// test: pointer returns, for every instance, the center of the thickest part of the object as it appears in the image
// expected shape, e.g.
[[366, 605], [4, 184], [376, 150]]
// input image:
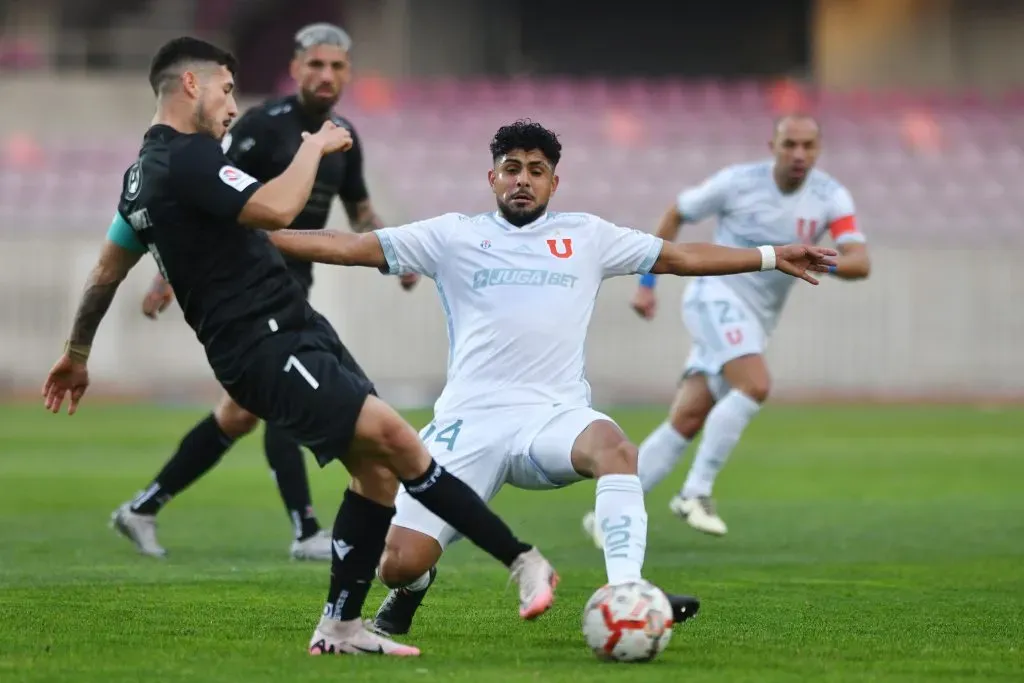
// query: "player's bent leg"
[[603, 452], [197, 453], [662, 449], [408, 567], [379, 429], [474, 448], [749, 383], [594, 446]]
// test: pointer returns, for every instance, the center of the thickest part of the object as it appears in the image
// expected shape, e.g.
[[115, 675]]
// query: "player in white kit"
[[518, 288], [731, 318]]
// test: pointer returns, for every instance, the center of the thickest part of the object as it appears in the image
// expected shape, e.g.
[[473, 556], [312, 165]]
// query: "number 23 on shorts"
[[447, 436]]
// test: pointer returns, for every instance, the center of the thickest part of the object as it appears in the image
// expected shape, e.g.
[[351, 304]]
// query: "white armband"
[[767, 257]]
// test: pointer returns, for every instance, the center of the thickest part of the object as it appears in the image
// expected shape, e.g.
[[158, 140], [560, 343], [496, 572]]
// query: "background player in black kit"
[[202, 219], [262, 143]]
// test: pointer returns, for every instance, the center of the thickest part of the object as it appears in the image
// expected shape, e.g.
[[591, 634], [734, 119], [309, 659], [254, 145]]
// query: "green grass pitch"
[[882, 544]]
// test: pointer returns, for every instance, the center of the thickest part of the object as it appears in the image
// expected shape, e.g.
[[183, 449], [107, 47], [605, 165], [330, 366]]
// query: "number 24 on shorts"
[[447, 436]]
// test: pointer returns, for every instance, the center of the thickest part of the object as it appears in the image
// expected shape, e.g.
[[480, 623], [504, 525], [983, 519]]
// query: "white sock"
[[623, 520], [722, 431], [416, 585], [659, 454], [420, 584]]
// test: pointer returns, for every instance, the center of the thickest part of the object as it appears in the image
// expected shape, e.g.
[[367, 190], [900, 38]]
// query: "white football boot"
[[316, 547], [139, 529], [699, 512], [591, 529], [537, 580], [333, 637]]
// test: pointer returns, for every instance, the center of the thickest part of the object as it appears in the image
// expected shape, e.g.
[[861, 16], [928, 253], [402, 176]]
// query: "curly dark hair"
[[526, 135]]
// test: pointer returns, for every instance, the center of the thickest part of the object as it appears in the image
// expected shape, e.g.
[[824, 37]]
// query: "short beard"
[[316, 106], [520, 218], [204, 124]]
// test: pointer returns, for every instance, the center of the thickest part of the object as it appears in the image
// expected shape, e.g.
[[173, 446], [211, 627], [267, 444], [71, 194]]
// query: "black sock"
[[289, 467], [359, 532], [453, 501], [198, 451]]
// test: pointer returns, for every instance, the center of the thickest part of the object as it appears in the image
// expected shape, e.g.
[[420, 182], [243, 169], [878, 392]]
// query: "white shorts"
[[722, 327], [529, 448]]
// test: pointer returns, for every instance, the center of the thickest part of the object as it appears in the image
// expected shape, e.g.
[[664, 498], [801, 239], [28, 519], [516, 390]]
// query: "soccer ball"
[[630, 622]]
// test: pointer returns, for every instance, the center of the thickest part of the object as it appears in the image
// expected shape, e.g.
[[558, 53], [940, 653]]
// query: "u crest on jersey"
[[806, 229], [563, 250]]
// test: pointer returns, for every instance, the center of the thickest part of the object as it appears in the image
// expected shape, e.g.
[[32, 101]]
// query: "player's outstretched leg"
[[382, 430], [604, 453], [749, 381], [288, 466], [197, 453], [409, 568], [663, 447]]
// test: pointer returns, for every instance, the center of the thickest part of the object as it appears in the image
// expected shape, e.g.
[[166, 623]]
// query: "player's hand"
[[331, 138], [66, 377], [409, 280], [800, 261], [645, 303], [157, 299]]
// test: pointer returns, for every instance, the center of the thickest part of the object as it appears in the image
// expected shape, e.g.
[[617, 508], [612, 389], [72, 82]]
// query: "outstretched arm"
[[331, 246], [697, 258], [414, 248]]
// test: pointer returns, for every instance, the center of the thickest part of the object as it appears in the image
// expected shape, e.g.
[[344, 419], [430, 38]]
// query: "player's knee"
[[396, 570], [234, 420], [689, 420], [619, 458], [402, 562], [756, 388]]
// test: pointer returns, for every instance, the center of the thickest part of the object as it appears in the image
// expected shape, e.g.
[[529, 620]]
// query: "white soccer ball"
[[630, 622]]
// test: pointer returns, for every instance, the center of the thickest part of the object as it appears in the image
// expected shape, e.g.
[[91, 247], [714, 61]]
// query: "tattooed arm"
[[69, 375], [106, 276]]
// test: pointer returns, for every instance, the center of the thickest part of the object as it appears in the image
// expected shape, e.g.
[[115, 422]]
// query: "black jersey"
[[266, 138], [182, 198]]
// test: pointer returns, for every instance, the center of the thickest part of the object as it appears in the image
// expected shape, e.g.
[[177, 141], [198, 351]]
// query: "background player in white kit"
[[518, 288], [730, 318]]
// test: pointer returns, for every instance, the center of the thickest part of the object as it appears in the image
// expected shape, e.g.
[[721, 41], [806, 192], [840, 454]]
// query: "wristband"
[[647, 280], [767, 257], [78, 353]]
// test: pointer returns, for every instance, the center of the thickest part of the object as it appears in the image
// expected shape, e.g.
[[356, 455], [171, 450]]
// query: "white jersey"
[[752, 211], [518, 301]]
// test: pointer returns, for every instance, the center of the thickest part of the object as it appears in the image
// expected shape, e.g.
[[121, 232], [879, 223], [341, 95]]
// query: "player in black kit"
[[262, 143], [203, 221]]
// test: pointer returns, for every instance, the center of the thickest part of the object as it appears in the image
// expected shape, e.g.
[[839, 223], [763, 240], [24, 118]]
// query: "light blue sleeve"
[[418, 247], [121, 234]]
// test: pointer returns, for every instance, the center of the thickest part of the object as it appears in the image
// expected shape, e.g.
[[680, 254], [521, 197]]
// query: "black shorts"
[[308, 385]]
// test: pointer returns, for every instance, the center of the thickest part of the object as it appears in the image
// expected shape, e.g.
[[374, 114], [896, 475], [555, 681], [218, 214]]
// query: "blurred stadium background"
[[922, 103]]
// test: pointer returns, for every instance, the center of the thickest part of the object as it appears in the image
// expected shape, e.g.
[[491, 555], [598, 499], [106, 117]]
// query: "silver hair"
[[322, 34]]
